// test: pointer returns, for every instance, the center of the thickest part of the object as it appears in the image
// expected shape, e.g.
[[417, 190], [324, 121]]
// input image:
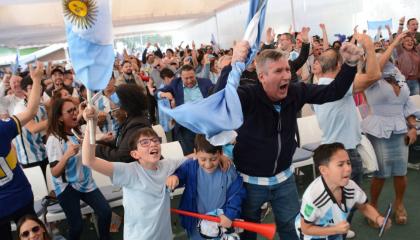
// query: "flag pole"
[[90, 123]]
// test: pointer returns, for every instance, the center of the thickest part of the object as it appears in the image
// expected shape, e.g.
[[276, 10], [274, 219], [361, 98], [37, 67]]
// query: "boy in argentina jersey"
[[329, 199]]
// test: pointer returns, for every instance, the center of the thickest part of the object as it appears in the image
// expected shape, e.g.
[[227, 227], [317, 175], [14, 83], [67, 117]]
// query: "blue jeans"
[[70, 202], [414, 87], [356, 166], [284, 200]]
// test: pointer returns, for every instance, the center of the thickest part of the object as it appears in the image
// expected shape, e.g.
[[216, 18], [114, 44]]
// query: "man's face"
[[57, 78], [285, 42], [316, 49], [127, 68], [68, 79], [150, 59], [275, 77], [413, 25], [188, 78], [15, 83], [338, 170]]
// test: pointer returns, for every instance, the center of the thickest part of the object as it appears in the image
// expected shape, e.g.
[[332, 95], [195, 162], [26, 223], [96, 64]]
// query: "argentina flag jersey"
[[75, 173]]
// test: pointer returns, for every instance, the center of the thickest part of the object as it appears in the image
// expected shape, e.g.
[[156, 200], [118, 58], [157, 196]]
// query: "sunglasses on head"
[[26, 233]]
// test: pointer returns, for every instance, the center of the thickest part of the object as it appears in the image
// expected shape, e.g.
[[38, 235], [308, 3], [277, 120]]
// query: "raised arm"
[[401, 25], [304, 52], [364, 80], [388, 29], [88, 150], [388, 52], [325, 42], [34, 96]]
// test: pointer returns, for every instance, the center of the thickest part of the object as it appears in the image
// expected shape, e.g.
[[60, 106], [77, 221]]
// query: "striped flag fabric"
[[90, 41], [224, 107]]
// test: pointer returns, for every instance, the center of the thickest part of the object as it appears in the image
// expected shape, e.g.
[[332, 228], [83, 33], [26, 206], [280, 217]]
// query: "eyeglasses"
[[114, 110], [26, 234], [71, 110], [145, 142]]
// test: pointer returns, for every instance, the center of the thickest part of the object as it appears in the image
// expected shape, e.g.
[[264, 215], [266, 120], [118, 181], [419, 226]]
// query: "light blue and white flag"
[[90, 41], [214, 44], [15, 66], [374, 25], [219, 114]]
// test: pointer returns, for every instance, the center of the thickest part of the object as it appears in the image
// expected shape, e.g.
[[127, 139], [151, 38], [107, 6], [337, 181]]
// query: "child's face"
[[338, 170], [208, 161], [148, 149]]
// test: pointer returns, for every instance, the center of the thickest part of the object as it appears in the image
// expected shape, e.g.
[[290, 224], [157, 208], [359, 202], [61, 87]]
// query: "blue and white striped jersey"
[[75, 174], [29, 147], [319, 206]]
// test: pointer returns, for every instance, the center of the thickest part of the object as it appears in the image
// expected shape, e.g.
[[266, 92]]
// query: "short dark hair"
[[411, 19], [329, 60], [202, 145], [186, 67], [26, 81], [170, 50], [324, 152], [133, 99], [145, 131], [166, 72]]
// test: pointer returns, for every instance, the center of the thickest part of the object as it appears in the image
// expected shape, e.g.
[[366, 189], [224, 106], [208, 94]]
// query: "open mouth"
[[154, 152], [284, 86]]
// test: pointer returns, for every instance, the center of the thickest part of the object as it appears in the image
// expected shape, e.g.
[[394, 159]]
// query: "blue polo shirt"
[[15, 190], [338, 120]]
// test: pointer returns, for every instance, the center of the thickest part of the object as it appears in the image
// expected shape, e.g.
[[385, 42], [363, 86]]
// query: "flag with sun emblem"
[[90, 41]]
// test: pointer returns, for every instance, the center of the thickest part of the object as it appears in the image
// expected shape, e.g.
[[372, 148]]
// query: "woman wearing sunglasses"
[[73, 181], [31, 228]]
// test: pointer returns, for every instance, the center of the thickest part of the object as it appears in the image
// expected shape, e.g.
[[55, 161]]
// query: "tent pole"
[[293, 16]]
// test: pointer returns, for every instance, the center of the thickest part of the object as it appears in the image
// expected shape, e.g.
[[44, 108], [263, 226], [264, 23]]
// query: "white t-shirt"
[[145, 199], [320, 208]]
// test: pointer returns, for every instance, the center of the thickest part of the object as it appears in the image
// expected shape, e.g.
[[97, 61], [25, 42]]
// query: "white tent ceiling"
[[40, 22]]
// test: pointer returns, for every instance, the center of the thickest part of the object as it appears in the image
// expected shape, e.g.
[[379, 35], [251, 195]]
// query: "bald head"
[[330, 60]]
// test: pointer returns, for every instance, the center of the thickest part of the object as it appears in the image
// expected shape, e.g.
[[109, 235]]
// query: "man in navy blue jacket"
[[187, 88], [266, 140]]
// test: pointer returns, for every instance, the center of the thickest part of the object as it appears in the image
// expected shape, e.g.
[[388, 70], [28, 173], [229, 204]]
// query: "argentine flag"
[[90, 41], [219, 114]]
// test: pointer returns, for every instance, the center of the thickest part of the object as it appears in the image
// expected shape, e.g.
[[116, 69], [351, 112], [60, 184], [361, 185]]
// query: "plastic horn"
[[266, 230]]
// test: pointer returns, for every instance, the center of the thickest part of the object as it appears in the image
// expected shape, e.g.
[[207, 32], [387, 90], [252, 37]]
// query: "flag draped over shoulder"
[[217, 115], [90, 41]]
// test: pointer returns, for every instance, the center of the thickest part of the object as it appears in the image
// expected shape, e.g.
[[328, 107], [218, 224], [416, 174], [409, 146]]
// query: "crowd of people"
[[44, 112]]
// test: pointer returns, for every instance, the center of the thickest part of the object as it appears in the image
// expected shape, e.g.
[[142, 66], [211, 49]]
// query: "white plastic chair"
[[310, 133], [172, 150], [302, 158], [160, 132], [36, 179]]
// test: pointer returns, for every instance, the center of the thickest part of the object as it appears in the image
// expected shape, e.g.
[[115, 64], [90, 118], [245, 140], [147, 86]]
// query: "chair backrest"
[[50, 184], [307, 110], [160, 132], [416, 100], [172, 150], [309, 131], [37, 181], [101, 180]]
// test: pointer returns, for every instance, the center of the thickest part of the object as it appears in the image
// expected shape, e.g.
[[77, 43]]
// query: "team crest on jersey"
[[308, 210], [81, 13]]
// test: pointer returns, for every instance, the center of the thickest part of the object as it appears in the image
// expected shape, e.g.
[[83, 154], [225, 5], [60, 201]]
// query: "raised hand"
[[269, 35], [37, 73], [351, 53], [305, 34], [240, 51], [322, 26], [72, 149]]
